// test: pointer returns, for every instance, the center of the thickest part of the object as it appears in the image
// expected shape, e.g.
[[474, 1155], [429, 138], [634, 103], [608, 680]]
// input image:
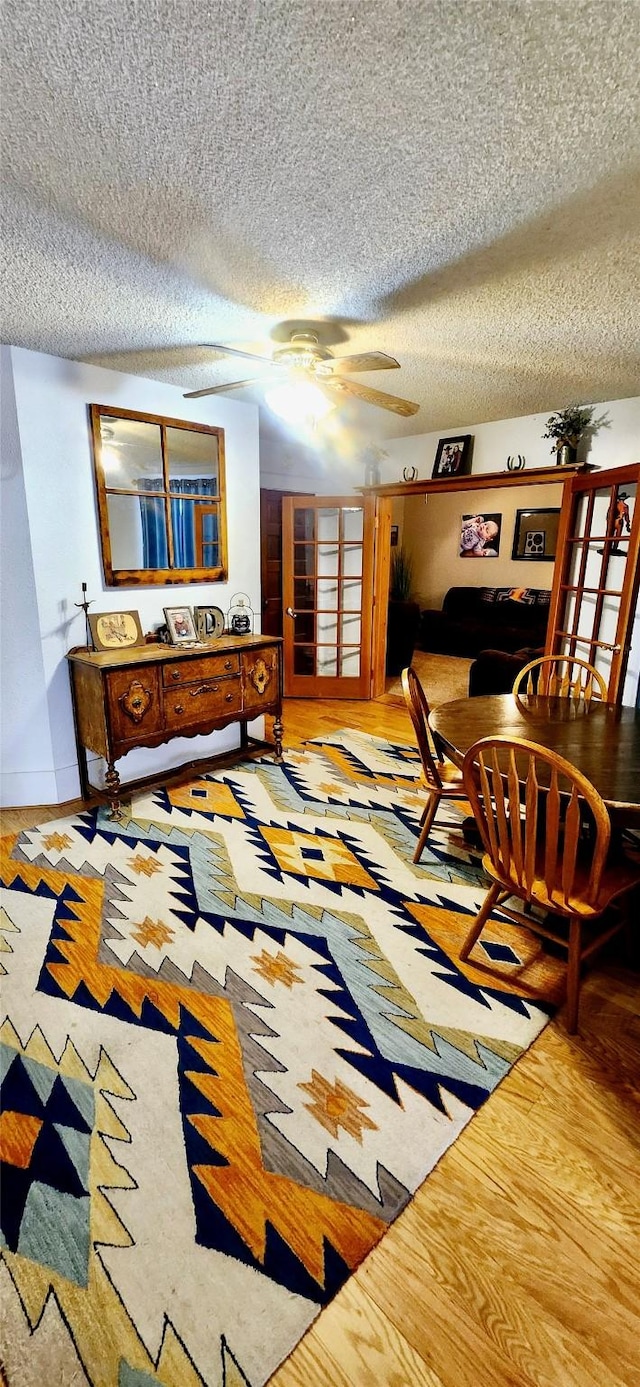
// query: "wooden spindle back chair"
[[441, 778], [547, 837], [561, 676]]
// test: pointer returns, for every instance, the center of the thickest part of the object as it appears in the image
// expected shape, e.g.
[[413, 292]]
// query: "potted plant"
[[404, 613], [566, 428]]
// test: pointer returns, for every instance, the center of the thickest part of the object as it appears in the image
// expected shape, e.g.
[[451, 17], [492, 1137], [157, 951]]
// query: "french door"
[[207, 540], [597, 573], [327, 572]]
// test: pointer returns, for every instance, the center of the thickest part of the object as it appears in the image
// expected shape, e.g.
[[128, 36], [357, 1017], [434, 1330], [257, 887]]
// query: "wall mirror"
[[161, 502]]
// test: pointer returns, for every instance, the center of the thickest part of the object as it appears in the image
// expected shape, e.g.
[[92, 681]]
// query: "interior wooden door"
[[271, 560], [597, 574], [327, 553]]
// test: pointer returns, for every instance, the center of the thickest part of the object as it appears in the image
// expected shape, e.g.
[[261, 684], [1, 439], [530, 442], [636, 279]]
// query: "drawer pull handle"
[[227, 664], [178, 708], [175, 674], [228, 698]]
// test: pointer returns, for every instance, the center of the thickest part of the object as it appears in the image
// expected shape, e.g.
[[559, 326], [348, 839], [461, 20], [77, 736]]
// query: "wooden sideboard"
[[149, 694]]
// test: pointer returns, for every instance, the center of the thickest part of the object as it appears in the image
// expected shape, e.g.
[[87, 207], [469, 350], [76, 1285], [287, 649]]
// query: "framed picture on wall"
[[480, 536], [453, 457], [535, 536]]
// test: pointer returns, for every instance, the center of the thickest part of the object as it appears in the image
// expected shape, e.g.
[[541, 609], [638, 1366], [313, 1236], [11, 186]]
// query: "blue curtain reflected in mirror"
[[155, 550]]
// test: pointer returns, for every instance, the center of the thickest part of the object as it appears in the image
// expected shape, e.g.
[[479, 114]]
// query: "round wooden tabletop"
[[601, 739]]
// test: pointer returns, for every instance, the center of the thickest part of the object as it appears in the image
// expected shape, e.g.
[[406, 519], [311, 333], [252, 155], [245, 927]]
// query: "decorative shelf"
[[478, 481]]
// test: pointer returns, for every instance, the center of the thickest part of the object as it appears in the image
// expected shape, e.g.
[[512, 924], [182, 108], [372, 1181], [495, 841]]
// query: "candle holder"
[[84, 607]]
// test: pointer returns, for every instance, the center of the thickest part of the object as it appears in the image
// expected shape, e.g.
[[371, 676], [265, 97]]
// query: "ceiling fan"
[[307, 359]]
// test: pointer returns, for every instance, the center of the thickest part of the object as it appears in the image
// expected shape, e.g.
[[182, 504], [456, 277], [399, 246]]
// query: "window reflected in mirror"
[[160, 488]]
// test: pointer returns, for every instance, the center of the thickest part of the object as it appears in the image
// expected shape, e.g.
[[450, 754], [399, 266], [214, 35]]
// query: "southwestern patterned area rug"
[[236, 1041]]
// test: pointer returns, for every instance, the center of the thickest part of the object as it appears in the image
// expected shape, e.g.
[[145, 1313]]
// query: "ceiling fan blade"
[[235, 351], [372, 397], [365, 361], [221, 389]]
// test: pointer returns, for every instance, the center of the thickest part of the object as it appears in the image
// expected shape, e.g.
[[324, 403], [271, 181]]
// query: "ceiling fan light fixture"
[[303, 356], [303, 352], [299, 403]]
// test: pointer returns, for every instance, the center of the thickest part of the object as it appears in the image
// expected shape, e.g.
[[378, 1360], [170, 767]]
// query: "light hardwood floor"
[[517, 1261]]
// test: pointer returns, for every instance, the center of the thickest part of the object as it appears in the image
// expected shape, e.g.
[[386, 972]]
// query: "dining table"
[[602, 740]]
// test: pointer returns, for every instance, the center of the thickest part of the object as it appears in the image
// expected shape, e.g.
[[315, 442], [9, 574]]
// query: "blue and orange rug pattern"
[[236, 1039]]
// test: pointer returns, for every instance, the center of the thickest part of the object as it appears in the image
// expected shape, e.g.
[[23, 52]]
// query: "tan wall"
[[431, 532]]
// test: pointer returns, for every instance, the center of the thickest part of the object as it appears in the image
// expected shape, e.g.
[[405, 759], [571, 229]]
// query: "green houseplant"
[[566, 428], [401, 583], [403, 614]]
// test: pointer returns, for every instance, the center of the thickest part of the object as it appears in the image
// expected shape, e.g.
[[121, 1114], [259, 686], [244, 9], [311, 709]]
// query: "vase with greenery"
[[404, 613], [566, 429]]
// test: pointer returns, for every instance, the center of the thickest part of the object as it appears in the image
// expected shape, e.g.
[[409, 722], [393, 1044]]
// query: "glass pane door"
[[598, 574], [328, 598]]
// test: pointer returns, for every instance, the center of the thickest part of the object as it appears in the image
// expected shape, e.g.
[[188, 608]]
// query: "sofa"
[[494, 671], [473, 619]]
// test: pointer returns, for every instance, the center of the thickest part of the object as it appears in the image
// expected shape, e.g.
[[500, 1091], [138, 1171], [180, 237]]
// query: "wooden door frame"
[[201, 511], [578, 477]]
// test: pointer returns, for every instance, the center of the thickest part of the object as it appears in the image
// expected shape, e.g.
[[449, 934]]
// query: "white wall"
[[27, 759], [51, 518], [615, 444], [328, 468]]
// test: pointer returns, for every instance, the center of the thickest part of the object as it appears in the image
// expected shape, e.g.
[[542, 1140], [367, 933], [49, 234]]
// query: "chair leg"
[[573, 973], [629, 933], [480, 921], [428, 817]]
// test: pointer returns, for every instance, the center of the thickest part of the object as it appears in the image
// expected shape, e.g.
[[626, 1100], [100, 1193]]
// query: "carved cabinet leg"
[[278, 731], [83, 770], [112, 787]]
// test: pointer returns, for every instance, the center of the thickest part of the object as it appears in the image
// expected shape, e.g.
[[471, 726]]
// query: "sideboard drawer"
[[200, 669], [194, 703]]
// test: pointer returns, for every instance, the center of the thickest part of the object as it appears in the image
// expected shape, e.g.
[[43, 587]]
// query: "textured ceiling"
[[454, 182]]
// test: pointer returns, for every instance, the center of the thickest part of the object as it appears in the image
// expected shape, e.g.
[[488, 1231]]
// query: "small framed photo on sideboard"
[[180, 623]]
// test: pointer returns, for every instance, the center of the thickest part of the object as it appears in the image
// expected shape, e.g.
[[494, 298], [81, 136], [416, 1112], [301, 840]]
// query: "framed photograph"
[[180, 622], [480, 536], [209, 623], [535, 536], [115, 630], [453, 457]]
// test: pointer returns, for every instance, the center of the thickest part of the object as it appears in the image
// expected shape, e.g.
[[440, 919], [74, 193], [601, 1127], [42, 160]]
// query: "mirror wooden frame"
[[164, 577]]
